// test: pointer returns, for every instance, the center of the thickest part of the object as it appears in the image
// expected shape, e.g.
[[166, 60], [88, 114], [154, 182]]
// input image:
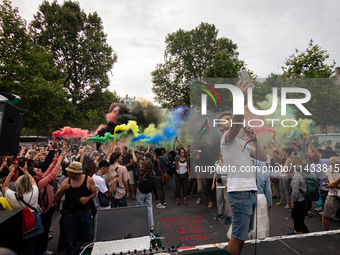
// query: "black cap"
[[103, 163]]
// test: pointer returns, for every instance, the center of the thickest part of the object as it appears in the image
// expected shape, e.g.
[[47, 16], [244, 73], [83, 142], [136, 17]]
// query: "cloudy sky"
[[265, 31]]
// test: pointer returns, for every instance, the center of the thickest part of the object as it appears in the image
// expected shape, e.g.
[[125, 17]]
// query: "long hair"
[[90, 168], [25, 184], [147, 166]]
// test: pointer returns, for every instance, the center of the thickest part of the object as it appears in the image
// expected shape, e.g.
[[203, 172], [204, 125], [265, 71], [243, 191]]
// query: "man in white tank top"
[[241, 180]]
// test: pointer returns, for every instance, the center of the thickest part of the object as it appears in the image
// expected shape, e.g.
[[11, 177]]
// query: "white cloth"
[[238, 162], [261, 220], [10, 196], [335, 175], [182, 167], [99, 182]]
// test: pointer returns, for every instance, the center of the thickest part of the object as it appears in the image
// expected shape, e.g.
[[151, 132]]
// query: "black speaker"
[[10, 127], [11, 230]]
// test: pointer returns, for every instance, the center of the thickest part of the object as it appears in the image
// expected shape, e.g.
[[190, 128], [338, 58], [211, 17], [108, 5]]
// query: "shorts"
[[132, 177], [243, 204], [331, 206]]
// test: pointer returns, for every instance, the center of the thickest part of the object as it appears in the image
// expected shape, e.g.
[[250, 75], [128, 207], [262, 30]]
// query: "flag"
[[9, 98], [205, 129], [291, 134]]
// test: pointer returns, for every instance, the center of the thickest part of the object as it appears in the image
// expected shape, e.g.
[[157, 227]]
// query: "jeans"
[[145, 199], [181, 183], [118, 202], [284, 189], [75, 226], [243, 204], [159, 187], [172, 184], [46, 219]]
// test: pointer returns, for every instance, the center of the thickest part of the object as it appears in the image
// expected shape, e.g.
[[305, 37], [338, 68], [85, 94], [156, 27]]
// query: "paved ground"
[[211, 231]]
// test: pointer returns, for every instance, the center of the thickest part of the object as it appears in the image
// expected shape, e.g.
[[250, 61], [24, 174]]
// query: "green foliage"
[[93, 108], [191, 55], [78, 44], [27, 70], [324, 104], [308, 64]]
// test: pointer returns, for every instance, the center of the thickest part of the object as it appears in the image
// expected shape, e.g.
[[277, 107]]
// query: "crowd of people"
[[80, 180]]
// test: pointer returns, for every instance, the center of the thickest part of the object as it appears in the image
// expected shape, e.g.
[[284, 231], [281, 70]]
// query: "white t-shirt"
[[99, 182], [335, 175], [238, 163], [10, 196]]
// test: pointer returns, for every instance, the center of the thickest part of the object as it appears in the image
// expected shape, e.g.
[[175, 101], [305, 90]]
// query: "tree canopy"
[[78, 44], [192, 54], [28, 71]]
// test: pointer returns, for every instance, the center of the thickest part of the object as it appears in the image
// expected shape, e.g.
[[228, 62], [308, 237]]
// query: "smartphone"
[[244, 76], [22, 162]]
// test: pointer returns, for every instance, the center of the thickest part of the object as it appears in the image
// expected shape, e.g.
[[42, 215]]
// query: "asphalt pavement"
[[192, 224]]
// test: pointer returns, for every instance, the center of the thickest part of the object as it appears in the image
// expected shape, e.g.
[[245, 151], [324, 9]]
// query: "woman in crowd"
[[274, 180], [46, 201], [284, 178], [298, 202], [182, 176], [26, 186], [171, 172], [144, 186]]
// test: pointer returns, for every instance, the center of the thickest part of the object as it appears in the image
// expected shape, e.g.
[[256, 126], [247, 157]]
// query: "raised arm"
[[82, 154], [112, 147], [5, 187], [313, 148], [133, 154], [278, 148], [235, 129]]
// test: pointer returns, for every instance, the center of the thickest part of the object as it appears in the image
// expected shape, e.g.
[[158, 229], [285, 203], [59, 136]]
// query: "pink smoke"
[[71, 133], [111, 117], [94, 133]]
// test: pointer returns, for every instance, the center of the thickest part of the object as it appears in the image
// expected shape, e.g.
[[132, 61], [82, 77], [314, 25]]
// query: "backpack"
[[146, 183], [42, 199], [312, 188], [28, 219]]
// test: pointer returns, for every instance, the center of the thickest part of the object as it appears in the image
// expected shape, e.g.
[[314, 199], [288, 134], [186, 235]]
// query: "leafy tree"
[[324, 104], [190, 55], [308, 64], [94, 108], [78, 44], [27, 70]]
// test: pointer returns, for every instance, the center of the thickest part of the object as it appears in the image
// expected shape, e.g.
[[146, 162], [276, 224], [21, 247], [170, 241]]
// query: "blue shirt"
[[162, 162], [263, 183]]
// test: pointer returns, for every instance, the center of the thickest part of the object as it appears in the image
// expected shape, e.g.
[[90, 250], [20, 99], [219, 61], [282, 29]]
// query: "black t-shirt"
[[126, 160]]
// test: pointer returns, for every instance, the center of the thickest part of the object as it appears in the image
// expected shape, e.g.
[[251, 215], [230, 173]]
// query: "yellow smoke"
[[132, 125]]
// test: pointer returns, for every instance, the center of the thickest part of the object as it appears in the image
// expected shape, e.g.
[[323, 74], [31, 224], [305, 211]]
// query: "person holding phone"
[[241, 186]]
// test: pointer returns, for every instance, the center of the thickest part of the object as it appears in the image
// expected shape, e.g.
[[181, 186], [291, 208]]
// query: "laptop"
[[121, 229]]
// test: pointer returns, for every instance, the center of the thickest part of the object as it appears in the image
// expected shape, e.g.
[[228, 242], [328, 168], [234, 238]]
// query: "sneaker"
[[189, 195], [47, 252], [227, 220], [210, 205], [218, 217], [320, 213], [160, 206], [50, 237], [293, 233], [152, 229], [198, 201], [133, 197], [164, 203], [319, 209], [309, 215]]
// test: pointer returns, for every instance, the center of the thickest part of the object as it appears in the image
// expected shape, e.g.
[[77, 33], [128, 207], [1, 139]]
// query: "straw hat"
[[75, 167]]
